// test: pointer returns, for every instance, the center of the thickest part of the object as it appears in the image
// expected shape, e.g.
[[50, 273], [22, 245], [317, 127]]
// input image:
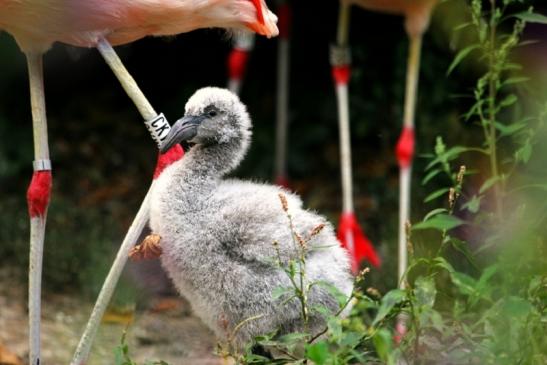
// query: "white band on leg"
[[41, 165], [159, 128]]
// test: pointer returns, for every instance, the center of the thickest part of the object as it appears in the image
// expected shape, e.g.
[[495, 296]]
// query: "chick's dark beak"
[[183, 130]]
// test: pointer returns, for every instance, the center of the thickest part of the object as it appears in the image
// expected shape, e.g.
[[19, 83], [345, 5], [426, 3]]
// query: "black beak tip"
[[164, 147], [183, 130]]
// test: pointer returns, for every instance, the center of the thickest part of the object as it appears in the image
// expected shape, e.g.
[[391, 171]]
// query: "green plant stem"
[[492, 137], [299, 290], [304, 292], [351, 296], [417, 329]]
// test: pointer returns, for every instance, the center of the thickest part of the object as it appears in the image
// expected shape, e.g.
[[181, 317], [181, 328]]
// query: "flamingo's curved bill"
[[266, 21]]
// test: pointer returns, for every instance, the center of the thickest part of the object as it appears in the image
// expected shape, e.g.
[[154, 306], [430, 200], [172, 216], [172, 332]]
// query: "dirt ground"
[[166, 330]]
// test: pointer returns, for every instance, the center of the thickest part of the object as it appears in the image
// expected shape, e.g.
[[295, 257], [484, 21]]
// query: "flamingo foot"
[[352, 237], [149, 248]]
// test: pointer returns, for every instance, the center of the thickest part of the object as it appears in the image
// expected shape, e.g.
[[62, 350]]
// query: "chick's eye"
[[212, 113]]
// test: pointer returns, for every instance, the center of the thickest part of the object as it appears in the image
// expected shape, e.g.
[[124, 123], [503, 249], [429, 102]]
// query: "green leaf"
[[279, 292], [512, 66], [256, 359], [440, 222], [473, 205], [430, 175], [442, 263], [532, 17], [351, 339], [293, 337], [534, 285], [462, 26], [489, 183], [508, 101], [463, 282], [516, 308], [463, 248], [390, 300], [515, 80], [507, 130], [436, 194], [524, 153], [335, 329], [461, 56], [318, 352], [384, 345], [340, 297], [425, 291], [434, 212], [474, 110], [449, 155], [118, 356], [440, 147], [293, 340], [483, 287]]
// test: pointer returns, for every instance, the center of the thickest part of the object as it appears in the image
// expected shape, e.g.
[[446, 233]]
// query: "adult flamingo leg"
[[38, 195], [105, 295], [405, 147], [350, 233], [238, 59], [405, 154], [159, 127], [282, 97], [126, 80]]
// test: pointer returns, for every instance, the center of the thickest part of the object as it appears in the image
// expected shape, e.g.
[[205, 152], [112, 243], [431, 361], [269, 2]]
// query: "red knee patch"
[[237, 63], [38, 193], [165, 159]]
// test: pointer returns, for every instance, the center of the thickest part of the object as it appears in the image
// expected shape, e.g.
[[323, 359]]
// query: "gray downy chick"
[[217, 234]]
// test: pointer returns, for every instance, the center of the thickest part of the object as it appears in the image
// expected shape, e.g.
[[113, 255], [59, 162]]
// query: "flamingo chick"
[[218, 234], [37, 24]]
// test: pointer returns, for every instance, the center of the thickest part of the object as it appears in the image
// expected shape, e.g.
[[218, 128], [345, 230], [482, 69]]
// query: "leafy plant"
[[482, 312], [121, 355], [490, 307], [331, 345]]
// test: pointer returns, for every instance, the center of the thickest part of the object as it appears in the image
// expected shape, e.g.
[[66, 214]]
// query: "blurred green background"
[[103, 157]]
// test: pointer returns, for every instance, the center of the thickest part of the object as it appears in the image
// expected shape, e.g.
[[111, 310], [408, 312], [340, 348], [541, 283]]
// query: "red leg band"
[[405, 148], [341, 74], [237, 63], [38, 193]]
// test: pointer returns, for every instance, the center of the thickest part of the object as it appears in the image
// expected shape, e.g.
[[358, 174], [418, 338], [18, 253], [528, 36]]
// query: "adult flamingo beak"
[[266, 21]]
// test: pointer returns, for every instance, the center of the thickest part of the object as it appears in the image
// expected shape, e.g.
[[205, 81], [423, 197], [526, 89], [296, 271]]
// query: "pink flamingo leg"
[[238, 59], [282, 99], [350, 234], [38, 195], [405, 155], [159, 128], [141, 219]]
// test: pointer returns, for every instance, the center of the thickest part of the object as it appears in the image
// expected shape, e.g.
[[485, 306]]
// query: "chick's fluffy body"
[[218, 235]]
